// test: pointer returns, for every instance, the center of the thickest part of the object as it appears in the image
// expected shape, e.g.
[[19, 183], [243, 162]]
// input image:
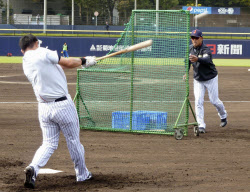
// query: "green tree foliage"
[[125, 7], [239, 3], [108, 7], [86, 8], [217, 3], [168, 4], [145, 4], [1, 3]]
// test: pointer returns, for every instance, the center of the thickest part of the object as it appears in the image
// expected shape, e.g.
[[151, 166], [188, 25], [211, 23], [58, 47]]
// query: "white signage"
[[226, 49], [117, 48], [226, 10]]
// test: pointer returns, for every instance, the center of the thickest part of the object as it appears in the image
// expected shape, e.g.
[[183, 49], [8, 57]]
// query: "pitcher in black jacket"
[[205, 77]]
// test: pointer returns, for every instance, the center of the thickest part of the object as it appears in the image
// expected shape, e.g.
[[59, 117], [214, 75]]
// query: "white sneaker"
[[202, 130]]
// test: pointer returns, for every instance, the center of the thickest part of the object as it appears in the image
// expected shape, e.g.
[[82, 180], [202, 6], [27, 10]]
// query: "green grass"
[[5, 59], [217, 62], [228, 37], [232, 62]]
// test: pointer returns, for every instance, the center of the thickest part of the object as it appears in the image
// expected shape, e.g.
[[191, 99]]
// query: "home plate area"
[[48, 171]]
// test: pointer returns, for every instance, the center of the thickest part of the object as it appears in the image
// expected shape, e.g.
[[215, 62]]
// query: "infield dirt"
[[217, 161]]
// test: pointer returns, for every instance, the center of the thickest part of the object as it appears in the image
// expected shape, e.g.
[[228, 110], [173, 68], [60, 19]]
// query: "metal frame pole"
[[135, 13], [8, 11], [73, 16], [45, 17], [195, 24], [157, 15]]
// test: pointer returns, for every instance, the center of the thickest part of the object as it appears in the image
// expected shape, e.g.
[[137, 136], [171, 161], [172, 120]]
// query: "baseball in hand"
[[193, 58]]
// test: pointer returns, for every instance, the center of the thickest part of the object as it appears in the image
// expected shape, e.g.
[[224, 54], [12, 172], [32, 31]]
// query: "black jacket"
[[204, 68]]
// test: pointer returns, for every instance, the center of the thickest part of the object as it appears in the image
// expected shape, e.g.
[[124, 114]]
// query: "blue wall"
[[79, 47]]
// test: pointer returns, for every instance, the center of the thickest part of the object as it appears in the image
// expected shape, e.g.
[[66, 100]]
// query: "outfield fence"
[[93, 46]]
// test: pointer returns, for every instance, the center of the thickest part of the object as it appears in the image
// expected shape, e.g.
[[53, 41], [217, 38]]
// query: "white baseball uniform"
[[199, 92], [56, 110]]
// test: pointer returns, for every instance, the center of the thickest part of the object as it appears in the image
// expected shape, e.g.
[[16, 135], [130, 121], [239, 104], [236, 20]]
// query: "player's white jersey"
[[38, 65]]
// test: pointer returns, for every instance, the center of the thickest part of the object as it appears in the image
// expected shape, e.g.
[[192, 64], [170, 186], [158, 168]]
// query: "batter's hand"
[[90, 61], [193, 58]]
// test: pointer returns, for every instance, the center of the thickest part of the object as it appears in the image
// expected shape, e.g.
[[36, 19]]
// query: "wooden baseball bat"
[[129, 49]]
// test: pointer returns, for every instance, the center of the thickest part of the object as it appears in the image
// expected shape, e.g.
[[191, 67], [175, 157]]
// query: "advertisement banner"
[[79, 47], [213, 10], [229, 49], [226, 10], [197, 10]]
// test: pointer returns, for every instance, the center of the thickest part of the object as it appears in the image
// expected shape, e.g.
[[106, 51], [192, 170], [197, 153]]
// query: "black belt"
[[61, 99]]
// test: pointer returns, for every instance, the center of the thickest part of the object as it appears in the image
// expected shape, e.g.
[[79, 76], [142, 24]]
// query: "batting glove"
[[90, 61]]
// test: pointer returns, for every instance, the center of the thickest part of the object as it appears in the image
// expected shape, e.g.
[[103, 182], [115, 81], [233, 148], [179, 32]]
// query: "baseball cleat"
[[223, 122], [30, 177], [90, 176], [202, 130]]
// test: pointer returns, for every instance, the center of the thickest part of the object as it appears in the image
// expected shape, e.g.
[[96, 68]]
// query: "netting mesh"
[[143, 90]]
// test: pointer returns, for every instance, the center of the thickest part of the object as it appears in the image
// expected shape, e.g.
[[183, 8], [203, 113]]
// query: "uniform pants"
[[55, 117], [199, 93], [65, 54]]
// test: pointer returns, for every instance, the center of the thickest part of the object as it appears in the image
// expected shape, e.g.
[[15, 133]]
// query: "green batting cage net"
[[141, 91]]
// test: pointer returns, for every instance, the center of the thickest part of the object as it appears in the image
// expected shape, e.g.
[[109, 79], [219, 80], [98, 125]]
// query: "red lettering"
[[212, 48]]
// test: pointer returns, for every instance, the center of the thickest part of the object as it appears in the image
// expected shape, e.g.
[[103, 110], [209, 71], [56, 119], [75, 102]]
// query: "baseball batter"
[[205, 78], [56, 110]]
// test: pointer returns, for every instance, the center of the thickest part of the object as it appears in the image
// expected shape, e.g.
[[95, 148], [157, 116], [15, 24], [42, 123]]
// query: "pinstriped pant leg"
[[69, 124], [199, 93], [213, 93], [51, 133]]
